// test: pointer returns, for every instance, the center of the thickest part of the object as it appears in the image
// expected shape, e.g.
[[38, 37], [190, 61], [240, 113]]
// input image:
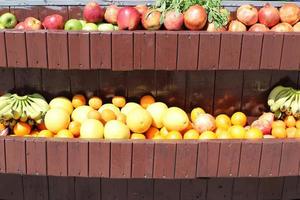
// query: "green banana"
[[31, 112], [273, 94], [17, 110], [280, 101], [294, 105], [6, 97], [42, 103], [8, 115], [6, 108], [285, 106]]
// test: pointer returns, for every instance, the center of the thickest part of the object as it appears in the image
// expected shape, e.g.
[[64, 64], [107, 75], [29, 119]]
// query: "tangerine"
[[164, 132], [107, 115], [158, 137], [191, 134], [279, 132], [121, 117], [78, 100], [174, 135], [278, 123], [223, 134], [95, 102], [2, 127], [291, 132], [152, 132], [239, 118], [45, 133], [146, 100], [298, 124], [41, 126], [94, 114], [74, 127], [22, 128], [207, 135], [290, 121], [223, 121], [119, 101], [195, 112], [297, 135], [64, 134], [237, 132], [254, 133], [137, 136]]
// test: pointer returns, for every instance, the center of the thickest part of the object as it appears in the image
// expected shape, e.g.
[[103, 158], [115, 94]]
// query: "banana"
[[42, 103], [31, 112], [24, 117], [6, 108], [287, 103], [294, 105], [6, 97], [279, 102], [273, 94], [8, 115], [17, 110]]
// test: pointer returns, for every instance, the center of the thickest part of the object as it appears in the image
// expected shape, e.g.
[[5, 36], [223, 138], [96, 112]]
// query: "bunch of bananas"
[[284, 101], [30, 108]]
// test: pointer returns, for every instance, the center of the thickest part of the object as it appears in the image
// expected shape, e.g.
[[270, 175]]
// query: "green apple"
[[1, 27], [8, 20], [83, 23], [73, 25], [90, 27], [116, 28], [106, 27]]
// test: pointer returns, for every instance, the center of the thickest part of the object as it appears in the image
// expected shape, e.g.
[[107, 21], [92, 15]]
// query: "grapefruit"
[[64, 134], [81, 113], [129, 107], [45, 133], [237, 132], [195, 112], [191, 135], [254, 133], [111, 107], [139, 120], [137, 136], [115, 129], [63, 103], [91, 128], [57, 119], [175, 119], [157, 110], [207, 135], [239, 118]]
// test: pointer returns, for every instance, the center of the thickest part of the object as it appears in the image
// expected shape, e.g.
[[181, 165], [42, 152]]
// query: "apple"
[[128, 18], [20, 26], [90, 27], [106, 27], [116, 28], [73, 25], [93, 13], [53, 22], [151, 20], [141, 9], [83, 23], [31, 23], [1, 27], [8, 20], [111, 14]]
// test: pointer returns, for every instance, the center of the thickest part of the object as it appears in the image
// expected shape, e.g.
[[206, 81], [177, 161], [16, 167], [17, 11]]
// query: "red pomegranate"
[[289, 13], [151, 20], [211, 28], [128, 18], [282, 27], [111, 14], [173, 20], [195, 17], [237, 26], [268, 15], [258, 28], [296, 27], [247, 14], [93, 12], [141, 9]]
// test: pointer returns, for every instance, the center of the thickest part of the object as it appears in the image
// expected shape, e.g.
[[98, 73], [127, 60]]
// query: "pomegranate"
[[282, 27], [267, 116], [296, 27], [128, 18], [20, 26], [262, 125], [195, 17], [247, 14], [53, 22], [211, 28], [204, 122], [237, 26], [173, 20], [259, 28], [268, 15], [93, 13], [289, 13], [111, 14], [151, 20], [141, 9]]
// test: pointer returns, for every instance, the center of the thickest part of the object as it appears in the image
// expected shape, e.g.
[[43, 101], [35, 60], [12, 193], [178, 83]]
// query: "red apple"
[[128, 18], [31, 23], [141, 9], [20, 26], [151, 20], [173, 20], [111, 14], [93, 13], [53, 22]]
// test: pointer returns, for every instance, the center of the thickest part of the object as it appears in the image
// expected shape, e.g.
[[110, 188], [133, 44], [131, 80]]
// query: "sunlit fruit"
[[94, 114], [237, 132], [297, 134], [236, 26], [254, 133], [107, 115], [290, 121], [278, 123], [57, 119], [191, 134], [129, 107], [121, 117], [80, 114], [291, 132], [163, 132], [195, 17], [279, 132], [21, 129], [64, 134], [207, 135], [2, 127], [74, 127], [195, 112], [41, 126], [298, 124], [289, 13], [158, 137], [174, 135], [111, 107], [91, 128], [263, 125], [34, 132], [269, 15], [95, 102], [115, 129], [151, 132], [239, 118], [175, 119], [63, 103], [45, 133], [282, 27], [139, 120], [119, 101], [137, 136], [247, 14], [223, 121], [146, 100], [269, 137], [78, 100], [157, 111], [205, 122], [223, 134]]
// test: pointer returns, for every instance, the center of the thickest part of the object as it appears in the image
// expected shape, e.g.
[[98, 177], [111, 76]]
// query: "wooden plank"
[[36, 49], [166, 50], [61, 188], [229, 158], [110, 186], [271, 51], [209, 51], [11, 187], [250, 158], [57, 49], [25, 85], [291, 188], [140, 189], [75, 12], [270, 158], [99, 158], [22, 12], [36, 160], [4, 9], [15, 155], [142, 159], [144, 50], [78, 158], [100, 50], [290, 52], [208, 158], [230, 50], [79, 50], [120, 162], [270, 188], [35, 187], [186, 159], [16, 48], [87, 188], [44, 11], [245, 188], [57, 157], [112, 88], [164, 159], [122, 51], [188, 50], [3, 61], [219, 188], [166, 189], [2, 155], [193, 189], [251, 50], [289, 163], [7, 83]]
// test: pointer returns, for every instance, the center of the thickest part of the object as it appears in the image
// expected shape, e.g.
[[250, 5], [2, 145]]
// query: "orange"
[[278, 123], [151, 132], [139, 120], [237, 132], [164, 132], [21, 129], [279, 132], [119, 101], [223, 134], [136, 136], [34, 132], [290, 121], [239, 118], [223, 121], [191, 134], [95, 103], [195, 112], [107, 115], [74, 128], [2, 127], [298, 123], [174, 135], [175, 119], [94, 114], [64, 134], [121, 117], [45, 133], [254, 133], [189, 127], [207, 135], [158, 137], [146, 100], [297, 135], [291, 132], [41, 126], [78, 100]]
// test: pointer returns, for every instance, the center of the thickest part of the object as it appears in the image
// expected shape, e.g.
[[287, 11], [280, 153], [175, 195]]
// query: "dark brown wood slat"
[[289, 163], [219, 188], [270, 158], [35, 187], [188, 51], [23, 12], [2, 155], [3, 62], [75, 12], [144, 50], [25, 85], [208, 158], [78, 158], [290, 52], [250, 158], [36, 49], [87, 188], [230, 50], [79, 50], [271, 51], [44, 11], [229, 158], [15, 148], [251, 50], [7, 82], [4, 9], [112, 88], [209, 51], [120, 162], [57, 49], [142, 159], [61, 188], [140, 189], [122, 51], [99, 158], [186, 159], [16, 48], [193, 189], [11, 186], [166, 50], [291, 188], [245, 188], [36, 161], [270, 188], [110, 186], [100, 50], [164, 159], [166, 189], [57, 157]]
